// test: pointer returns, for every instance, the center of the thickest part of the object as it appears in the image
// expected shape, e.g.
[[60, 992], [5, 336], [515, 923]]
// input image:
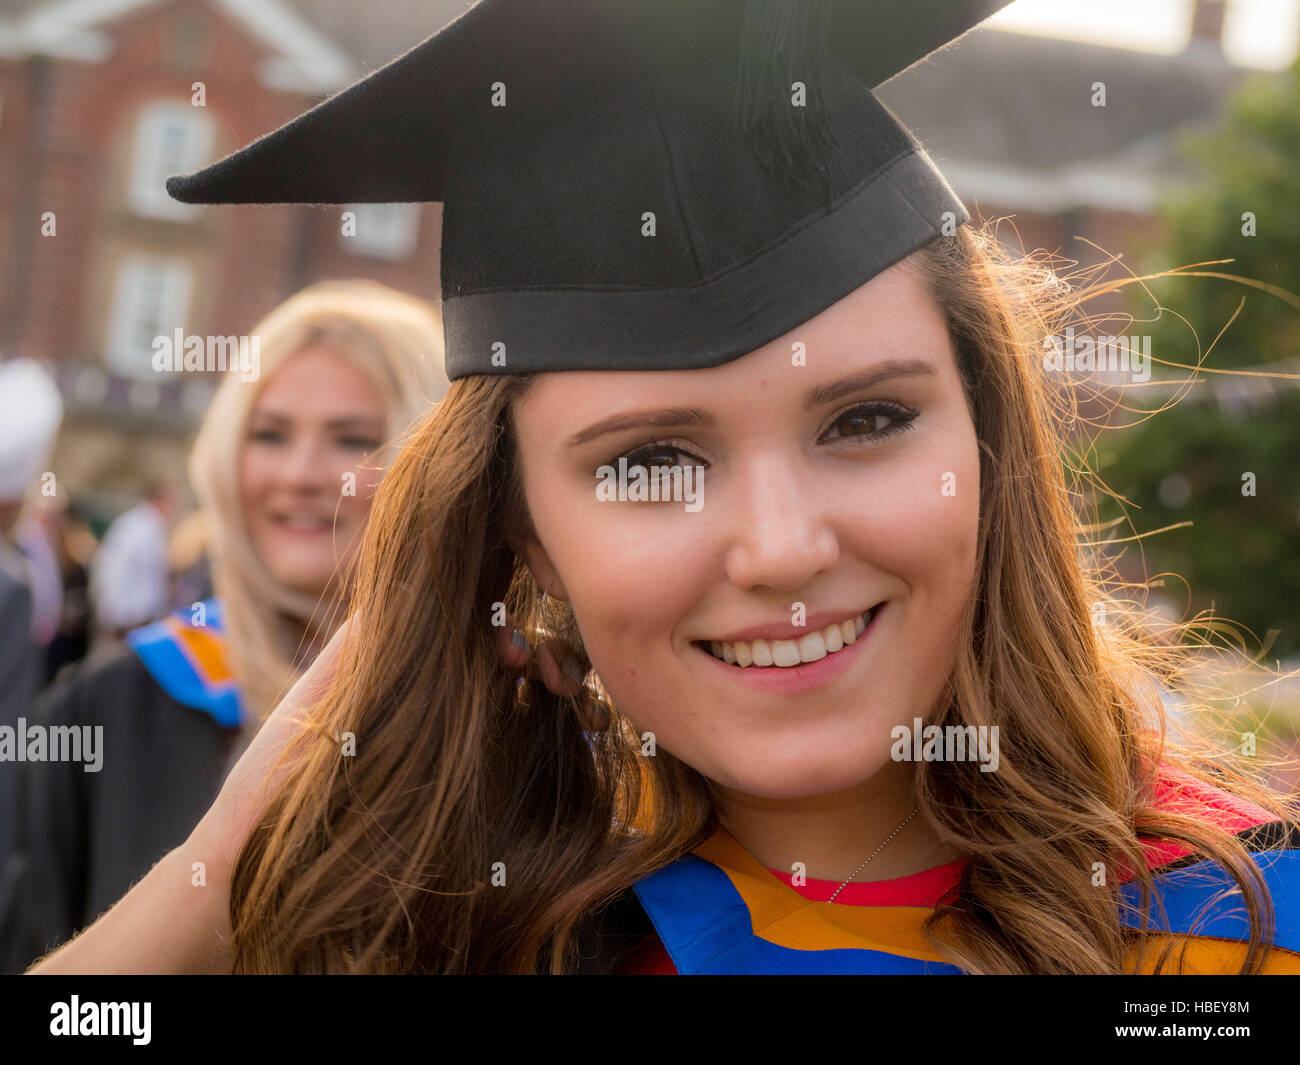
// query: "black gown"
[[84, 838], [170, 716]]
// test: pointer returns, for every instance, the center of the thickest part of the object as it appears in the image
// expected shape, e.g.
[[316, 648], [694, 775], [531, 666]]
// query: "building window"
[[171, 137], [151, 299], [382, 230]]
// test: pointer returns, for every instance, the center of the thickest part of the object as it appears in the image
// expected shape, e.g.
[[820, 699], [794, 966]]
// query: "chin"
[[784, 778], [308, 581]]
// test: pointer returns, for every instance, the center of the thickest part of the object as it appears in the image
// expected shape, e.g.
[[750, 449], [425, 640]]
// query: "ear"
[[542, 568]]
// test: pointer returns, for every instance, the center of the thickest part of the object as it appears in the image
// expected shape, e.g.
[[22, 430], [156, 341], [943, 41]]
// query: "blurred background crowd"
[[171, 542]]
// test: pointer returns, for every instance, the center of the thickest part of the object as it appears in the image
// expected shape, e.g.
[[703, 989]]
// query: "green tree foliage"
[[1189, 463]]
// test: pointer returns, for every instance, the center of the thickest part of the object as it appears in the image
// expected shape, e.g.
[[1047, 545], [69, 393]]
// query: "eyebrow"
[[669, 417], [348, 422]]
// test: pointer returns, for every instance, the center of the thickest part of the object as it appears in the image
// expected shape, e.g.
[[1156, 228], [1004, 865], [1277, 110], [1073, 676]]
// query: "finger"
[[554, 679], [513, 646], [252, 781]]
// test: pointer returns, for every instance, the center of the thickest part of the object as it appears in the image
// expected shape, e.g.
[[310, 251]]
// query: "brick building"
[[100, 100]]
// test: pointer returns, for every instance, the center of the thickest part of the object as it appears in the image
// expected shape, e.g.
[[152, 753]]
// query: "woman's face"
[[845, 482], [304, 483]]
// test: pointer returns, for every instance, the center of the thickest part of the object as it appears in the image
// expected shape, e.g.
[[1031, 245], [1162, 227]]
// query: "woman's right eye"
[[659, 453], [266, 436]]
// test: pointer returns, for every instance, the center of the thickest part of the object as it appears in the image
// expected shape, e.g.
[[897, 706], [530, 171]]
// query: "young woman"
[[746, 777], [284, 468]]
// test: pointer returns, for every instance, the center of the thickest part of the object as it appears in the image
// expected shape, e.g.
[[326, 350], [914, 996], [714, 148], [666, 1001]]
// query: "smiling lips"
[[788, 653], [303, 523]]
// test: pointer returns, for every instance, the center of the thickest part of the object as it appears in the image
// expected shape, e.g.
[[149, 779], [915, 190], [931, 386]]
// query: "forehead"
[[892, 318], [317, 378]]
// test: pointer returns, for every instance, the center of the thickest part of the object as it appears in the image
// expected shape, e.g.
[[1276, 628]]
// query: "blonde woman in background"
[[281, 518], [284, 468]]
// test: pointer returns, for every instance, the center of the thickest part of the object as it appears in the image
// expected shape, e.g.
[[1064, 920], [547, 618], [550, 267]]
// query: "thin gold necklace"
[[875, 852]]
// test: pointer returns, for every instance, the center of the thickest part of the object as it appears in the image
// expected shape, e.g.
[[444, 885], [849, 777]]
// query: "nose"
[[305, 468], [781, 532]]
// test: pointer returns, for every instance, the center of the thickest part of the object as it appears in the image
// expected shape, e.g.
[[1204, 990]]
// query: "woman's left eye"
[[875, 421], [359, 443]]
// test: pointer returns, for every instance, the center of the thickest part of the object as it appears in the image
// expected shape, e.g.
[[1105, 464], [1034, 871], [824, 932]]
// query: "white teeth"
[[811, 648], [785, 653]]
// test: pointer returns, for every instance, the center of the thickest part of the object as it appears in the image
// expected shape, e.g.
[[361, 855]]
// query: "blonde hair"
[[396, 339]]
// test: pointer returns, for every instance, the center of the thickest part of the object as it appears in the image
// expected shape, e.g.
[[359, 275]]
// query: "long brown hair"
[[479, 826]]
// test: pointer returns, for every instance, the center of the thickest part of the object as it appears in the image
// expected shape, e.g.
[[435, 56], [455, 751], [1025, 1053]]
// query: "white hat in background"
[[30, 412]]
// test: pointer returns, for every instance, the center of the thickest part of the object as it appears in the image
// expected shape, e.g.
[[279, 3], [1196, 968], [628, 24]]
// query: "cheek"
[[356, 480], [921, 528], [921, 520], [630, 580], [254, 478], [354, 511], [631, 573]]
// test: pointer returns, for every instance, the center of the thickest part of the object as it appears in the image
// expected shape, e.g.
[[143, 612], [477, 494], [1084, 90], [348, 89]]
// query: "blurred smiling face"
[[315, 419], [823, 485]]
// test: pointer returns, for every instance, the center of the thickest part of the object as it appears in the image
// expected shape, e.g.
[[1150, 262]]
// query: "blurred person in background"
[[188, 563], [33, 536], [284, 469], [74, 546], [128, 575], [30, 413]]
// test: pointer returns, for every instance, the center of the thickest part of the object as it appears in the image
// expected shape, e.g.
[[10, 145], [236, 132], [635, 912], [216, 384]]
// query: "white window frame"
[[151, 298], [384, 230], [154, 158]]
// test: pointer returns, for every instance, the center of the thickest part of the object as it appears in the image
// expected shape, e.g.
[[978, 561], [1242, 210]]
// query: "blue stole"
[[186, 655], [719, 910]]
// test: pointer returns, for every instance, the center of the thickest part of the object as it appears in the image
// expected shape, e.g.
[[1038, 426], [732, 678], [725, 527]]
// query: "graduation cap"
[[631, 184]]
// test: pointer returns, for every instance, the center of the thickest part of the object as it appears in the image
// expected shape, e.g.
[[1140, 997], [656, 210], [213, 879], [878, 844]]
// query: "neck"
[[305, 641], [831, 834]]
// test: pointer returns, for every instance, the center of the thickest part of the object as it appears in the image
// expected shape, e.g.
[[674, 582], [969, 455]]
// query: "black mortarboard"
[[631, 184]]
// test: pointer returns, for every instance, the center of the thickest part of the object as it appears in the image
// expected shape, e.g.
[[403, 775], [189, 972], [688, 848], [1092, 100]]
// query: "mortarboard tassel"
[[783, 42]]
